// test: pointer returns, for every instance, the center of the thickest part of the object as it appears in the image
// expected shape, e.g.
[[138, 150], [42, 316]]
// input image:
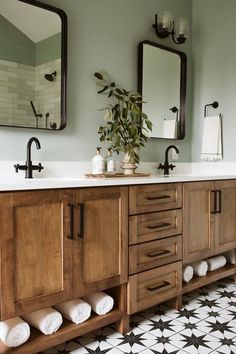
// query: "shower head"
[[50, 77]]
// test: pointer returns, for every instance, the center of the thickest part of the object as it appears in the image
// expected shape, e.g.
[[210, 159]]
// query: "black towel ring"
[[215, 104]]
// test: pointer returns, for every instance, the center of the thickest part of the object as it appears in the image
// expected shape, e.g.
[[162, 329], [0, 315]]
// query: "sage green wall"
[[15, 46], [48, 49], [103, 34], [214, 73]]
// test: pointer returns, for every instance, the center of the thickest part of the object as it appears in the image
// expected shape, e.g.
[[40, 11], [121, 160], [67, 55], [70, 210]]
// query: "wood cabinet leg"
[[178, 302], [123, 326]]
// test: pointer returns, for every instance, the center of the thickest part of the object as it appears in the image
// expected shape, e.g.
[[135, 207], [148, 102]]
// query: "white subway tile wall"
[[20, 84]]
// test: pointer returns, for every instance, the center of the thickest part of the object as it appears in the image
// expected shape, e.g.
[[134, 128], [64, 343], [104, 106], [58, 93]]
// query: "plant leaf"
[[98, 76]]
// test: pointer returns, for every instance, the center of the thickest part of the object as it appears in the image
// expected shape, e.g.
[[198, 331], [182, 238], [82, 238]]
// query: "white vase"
[[128, 166]]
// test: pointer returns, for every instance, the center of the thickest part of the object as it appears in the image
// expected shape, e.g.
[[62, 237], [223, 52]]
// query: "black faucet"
[[29, 167], [167, 166]]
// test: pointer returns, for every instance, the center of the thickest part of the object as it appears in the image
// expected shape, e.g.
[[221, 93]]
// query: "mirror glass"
[[32, 65], [162, 82]]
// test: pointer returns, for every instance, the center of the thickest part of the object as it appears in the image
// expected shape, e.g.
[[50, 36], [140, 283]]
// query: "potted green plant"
[[126, 126]]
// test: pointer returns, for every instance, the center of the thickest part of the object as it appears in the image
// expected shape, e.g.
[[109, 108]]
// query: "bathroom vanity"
[[128, 237]]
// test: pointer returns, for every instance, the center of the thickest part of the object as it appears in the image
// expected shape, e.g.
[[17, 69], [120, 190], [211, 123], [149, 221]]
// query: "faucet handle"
[[161, 166], [40, 167], [171, 166], [17, 167]]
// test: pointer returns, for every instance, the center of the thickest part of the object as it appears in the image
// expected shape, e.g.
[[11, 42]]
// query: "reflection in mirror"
[[162, 82], [32, 65]]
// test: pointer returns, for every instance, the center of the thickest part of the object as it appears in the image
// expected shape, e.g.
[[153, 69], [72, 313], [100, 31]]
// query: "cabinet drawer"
[[148, 227], [154, 286], [155, 253], [148, 198]]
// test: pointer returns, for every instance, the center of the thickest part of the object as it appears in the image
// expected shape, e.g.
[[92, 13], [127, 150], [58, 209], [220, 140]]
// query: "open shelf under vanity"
[[211, 277], [67, 331]]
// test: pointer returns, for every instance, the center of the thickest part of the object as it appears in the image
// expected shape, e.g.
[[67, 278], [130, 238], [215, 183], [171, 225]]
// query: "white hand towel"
[[76, 310], [187, 273], [170, 129], [101, 302], [46, 320], [230, 257], [212, 139], [200, 268], [14, 332], [216, 262]]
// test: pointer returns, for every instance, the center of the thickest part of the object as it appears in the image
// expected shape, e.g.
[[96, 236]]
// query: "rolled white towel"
[[187, 273], [76, 310], [200, 268], [101, 302], [14, 332], [230, 257], [46, 320], [216, 262]]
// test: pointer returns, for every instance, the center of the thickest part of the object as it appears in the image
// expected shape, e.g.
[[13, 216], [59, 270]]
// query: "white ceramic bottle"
[[98, 163], [110, 164]]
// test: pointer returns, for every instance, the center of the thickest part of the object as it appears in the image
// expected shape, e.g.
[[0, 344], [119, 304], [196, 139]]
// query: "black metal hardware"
[[158, 253], [158, 226], [37, 115], [160, 197], [217, 201], [159, 286], [219, 195], [71, 236], [214, 104], [214, 211], [29, 167], [81, 220], [167, 166], [175, 110]]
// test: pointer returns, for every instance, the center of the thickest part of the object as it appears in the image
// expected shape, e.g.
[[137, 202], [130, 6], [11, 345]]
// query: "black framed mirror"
[[162, 76], [33, 64]]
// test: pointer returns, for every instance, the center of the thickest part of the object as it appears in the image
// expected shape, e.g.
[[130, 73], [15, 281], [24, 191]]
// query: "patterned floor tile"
[[194, 341], [163, 326], [135, 341], [218, 327]]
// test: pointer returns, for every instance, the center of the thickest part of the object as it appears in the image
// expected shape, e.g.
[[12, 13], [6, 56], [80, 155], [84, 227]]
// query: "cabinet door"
[[225, 219], [102, 239], [198, 221], [36, 252]]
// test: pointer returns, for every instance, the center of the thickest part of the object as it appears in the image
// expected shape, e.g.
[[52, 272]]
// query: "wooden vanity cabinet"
[[209, 221], [36, 253], [61, 244]]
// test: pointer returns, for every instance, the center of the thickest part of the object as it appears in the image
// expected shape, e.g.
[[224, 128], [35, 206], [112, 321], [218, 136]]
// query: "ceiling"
[[36, 23]]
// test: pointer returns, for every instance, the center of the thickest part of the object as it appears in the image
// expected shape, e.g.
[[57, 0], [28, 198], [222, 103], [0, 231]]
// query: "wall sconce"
[[165, 26]]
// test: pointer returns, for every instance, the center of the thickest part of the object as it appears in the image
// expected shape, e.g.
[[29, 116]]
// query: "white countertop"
[[70, 174], [52, 183]]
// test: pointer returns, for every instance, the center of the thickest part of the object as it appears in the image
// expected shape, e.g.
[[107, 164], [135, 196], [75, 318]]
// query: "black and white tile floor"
[[206, 324]]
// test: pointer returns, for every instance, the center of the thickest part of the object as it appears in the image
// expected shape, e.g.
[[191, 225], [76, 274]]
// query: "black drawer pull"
[[81, 220], [160, 197], [158, 226], [158, 253], [158, 286], [217, 201], [71, 236]]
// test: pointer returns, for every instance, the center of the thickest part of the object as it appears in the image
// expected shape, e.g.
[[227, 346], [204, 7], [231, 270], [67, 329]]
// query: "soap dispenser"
[[110, 164], [98, 163]]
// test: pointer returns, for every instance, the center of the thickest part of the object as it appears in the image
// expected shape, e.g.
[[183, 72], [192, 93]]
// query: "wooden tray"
[[118, 174]]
